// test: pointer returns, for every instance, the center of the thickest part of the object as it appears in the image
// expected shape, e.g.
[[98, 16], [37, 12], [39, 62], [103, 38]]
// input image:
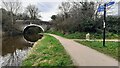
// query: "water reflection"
[[14, 50], [14, 59], [11, 43]]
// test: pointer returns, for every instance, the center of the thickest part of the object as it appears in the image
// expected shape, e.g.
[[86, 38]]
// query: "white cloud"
[[46, 16], [48, 9], [0, 4], [113, 10]]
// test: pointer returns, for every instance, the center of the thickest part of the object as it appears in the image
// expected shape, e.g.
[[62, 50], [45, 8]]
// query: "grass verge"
[[48, 52], [111, 49], [82, 35]]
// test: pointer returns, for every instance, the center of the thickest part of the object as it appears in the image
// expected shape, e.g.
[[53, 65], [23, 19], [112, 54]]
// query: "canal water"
[[14, 50]]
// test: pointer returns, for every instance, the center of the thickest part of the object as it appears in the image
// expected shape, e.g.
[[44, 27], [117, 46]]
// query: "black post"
[[104, 21]]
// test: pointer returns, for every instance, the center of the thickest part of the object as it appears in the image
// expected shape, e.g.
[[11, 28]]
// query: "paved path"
[[85, 56], [114, 40]]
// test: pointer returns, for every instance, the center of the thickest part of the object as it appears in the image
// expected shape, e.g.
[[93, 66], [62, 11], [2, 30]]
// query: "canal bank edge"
[[34, 45], [55, 52]]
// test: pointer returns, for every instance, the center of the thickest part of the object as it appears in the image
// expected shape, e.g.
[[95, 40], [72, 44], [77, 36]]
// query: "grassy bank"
[[48, 52], [111, 49], [82, 35]]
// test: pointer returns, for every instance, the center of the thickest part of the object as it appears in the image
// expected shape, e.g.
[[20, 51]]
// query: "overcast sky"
[[50, 7]]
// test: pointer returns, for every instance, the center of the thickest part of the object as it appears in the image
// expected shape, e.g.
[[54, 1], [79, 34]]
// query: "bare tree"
[[12, 6], [65, 8], [32, 11], [74, 15]]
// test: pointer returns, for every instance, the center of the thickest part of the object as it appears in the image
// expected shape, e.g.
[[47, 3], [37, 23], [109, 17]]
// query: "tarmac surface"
[[85, 56]]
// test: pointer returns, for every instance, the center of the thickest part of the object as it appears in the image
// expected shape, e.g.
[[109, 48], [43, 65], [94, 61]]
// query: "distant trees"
[[6, 20], [12, 6], [22, 16], [112, 24], [10, 9], [80, 17], [11, 12], [53, 17], [85, 13], [32, 11], [74, 16]]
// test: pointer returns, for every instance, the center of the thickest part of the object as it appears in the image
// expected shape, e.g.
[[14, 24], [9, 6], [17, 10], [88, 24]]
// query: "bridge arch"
[[32, 32], [33, 25]]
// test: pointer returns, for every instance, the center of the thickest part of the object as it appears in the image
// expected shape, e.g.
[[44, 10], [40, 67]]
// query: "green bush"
[[76, 35], [82, 35], [111, 35]]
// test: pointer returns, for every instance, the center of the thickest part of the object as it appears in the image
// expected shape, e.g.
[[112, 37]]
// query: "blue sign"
[[110, 3], [101, 8]]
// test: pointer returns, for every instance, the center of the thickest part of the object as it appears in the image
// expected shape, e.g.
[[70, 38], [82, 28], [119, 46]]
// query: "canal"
[[14, 50]]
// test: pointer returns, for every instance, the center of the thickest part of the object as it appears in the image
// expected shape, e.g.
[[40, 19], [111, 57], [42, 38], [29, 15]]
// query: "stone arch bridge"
[[22, 24]]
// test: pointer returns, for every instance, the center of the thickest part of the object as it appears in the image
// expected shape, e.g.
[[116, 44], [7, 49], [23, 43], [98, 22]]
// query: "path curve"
[[85, 56]]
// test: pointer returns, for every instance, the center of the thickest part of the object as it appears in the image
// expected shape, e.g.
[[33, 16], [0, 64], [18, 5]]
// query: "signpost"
[[104, 21], [110, 3], [103, 8]]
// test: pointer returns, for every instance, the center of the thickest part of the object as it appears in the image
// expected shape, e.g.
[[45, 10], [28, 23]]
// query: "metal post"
[[104, 25]]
